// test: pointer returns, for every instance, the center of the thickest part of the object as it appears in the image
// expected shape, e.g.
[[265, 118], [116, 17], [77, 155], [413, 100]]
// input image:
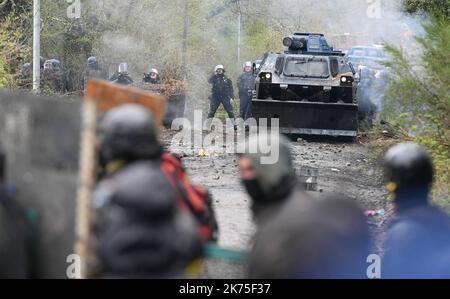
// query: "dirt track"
[[344, 170]]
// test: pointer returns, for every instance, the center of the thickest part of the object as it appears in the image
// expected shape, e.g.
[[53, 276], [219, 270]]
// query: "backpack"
[[194, 199]]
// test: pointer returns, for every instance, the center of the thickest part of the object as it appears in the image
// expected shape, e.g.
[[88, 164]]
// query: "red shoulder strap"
[[190, 195]]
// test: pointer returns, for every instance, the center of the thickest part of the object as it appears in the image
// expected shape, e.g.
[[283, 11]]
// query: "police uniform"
[[93, 73], [246, 83], [222, 93]]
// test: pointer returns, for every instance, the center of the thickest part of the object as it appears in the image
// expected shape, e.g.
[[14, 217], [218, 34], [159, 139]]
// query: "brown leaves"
[[168, 88]]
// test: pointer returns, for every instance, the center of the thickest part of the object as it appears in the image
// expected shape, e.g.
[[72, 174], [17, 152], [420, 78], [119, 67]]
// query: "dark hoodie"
[[222, 87], [418, 240], [329, 239], [139, 230]]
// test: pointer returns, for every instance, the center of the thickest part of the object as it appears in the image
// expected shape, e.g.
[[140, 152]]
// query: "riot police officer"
[[53, 78], [418, 240], [25, 78], [222, 92], [152, 77], [122, 76], [93, 71], [246, 84]]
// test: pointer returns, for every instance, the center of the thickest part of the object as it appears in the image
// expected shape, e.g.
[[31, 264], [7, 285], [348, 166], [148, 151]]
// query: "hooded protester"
[[127, 134], [270, 185], [246, 84], [140, 230], [328, 240], [137, 184], [418, 239]]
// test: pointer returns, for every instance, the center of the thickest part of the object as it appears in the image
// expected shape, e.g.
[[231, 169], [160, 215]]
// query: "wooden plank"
[[86, 183], [108, 95]]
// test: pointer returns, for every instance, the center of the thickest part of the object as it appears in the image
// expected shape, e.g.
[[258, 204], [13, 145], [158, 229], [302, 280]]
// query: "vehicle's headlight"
[[266, 77], [347, 80]]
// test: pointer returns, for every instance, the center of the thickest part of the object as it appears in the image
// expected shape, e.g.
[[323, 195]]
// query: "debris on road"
[[203, 153], [376, 217]]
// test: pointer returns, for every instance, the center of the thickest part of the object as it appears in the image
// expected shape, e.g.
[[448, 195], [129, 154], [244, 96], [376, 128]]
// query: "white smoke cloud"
[[150, 33]]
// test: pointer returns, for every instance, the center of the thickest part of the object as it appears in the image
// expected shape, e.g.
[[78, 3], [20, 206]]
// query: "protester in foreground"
[[328, 240], [269, 185], [418, 239]]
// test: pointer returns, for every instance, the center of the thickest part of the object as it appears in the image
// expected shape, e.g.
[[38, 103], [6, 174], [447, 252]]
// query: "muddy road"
[[344, 169]]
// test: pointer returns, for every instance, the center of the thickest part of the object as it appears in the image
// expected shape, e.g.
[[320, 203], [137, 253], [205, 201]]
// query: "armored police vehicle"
[[309, 88]]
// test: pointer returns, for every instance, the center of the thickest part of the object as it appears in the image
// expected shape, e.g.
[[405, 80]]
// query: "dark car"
[[368, 56]]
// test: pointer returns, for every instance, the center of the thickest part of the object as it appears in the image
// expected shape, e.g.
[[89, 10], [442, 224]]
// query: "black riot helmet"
[[52, 65], [408, 166], [128, 133], [56, 64]]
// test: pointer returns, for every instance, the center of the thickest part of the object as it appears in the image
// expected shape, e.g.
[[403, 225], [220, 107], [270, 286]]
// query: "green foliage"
[[260, 39], [16, 7], [437, 7], [3, 74], [441, 162], [418, 99], [70, 41], [14, 49]]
